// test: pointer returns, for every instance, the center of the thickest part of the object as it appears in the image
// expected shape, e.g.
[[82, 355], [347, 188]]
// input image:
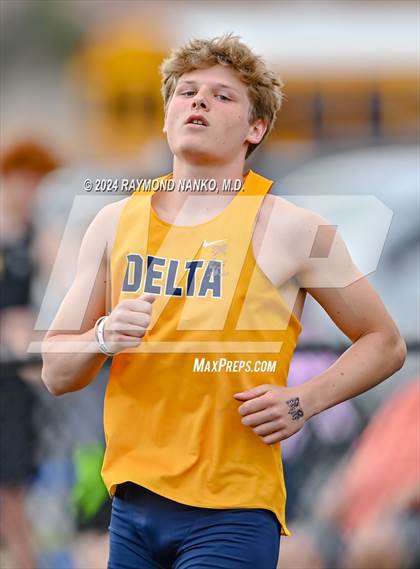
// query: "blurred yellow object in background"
[[118, 73]]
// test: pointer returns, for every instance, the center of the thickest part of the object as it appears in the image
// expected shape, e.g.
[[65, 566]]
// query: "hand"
[[128, 322], [274, 413]]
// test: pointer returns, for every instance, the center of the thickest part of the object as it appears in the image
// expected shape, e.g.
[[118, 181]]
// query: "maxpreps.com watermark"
[[204, 365], [130, 185]]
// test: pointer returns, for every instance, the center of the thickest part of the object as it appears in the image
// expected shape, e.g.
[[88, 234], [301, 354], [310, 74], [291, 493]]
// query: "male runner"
[[206, 293]]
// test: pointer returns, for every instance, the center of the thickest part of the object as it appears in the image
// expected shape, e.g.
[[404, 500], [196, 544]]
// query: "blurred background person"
[[22, 166], [376, 500], [367, 514]]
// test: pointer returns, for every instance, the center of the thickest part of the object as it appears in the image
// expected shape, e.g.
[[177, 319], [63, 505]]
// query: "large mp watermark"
[[353, 236]]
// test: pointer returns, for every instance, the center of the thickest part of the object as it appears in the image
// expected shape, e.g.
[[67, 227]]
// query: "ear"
[[256, 131]]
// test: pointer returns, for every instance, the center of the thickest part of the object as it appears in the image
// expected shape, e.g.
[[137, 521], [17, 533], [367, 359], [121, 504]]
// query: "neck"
[[189, 203], [217, 172]]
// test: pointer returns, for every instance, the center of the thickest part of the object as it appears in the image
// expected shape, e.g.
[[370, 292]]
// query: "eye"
[[188, 93], [223, 97]]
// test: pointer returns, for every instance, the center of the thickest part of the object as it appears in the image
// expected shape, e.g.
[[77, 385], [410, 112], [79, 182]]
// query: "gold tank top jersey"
[[219, 326]]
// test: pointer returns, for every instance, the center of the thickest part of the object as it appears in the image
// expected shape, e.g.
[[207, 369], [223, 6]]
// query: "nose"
[[199, 102]]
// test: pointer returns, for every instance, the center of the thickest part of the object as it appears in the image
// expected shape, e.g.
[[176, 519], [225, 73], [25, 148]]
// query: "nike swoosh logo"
[[208, 243]]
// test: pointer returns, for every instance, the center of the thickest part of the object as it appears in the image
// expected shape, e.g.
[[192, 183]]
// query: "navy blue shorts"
[[149, 531]]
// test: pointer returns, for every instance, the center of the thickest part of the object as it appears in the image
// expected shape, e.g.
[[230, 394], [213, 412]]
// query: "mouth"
[[197, 121]]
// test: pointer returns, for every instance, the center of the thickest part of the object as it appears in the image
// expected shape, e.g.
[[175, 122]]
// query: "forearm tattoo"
[[294, 408]]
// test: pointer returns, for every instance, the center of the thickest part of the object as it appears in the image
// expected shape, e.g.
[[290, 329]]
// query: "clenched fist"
[[127, 324]]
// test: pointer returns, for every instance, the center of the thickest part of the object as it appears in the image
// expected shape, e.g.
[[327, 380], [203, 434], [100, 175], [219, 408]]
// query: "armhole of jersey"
[[109, 251]]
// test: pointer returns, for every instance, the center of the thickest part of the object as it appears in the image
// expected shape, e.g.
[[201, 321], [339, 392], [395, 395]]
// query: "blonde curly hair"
[[264, 86]]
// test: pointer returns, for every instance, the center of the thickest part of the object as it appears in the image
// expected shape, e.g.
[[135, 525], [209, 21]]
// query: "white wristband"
[[99, 336]]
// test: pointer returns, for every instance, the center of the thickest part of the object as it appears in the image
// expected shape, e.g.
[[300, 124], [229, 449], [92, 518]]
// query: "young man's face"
[[220, 98]]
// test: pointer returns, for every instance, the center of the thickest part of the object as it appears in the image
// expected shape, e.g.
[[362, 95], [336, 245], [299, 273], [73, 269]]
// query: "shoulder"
[[319, 252], [290, 221], [106, 220], [303, 236], [113, 210], [100, 234]]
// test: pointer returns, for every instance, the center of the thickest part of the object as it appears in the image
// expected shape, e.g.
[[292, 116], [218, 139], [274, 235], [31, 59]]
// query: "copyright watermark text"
[[130, 185]]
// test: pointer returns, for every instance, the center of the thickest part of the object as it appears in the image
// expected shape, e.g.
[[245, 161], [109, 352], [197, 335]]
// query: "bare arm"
[[377, 350], [70, 359]]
